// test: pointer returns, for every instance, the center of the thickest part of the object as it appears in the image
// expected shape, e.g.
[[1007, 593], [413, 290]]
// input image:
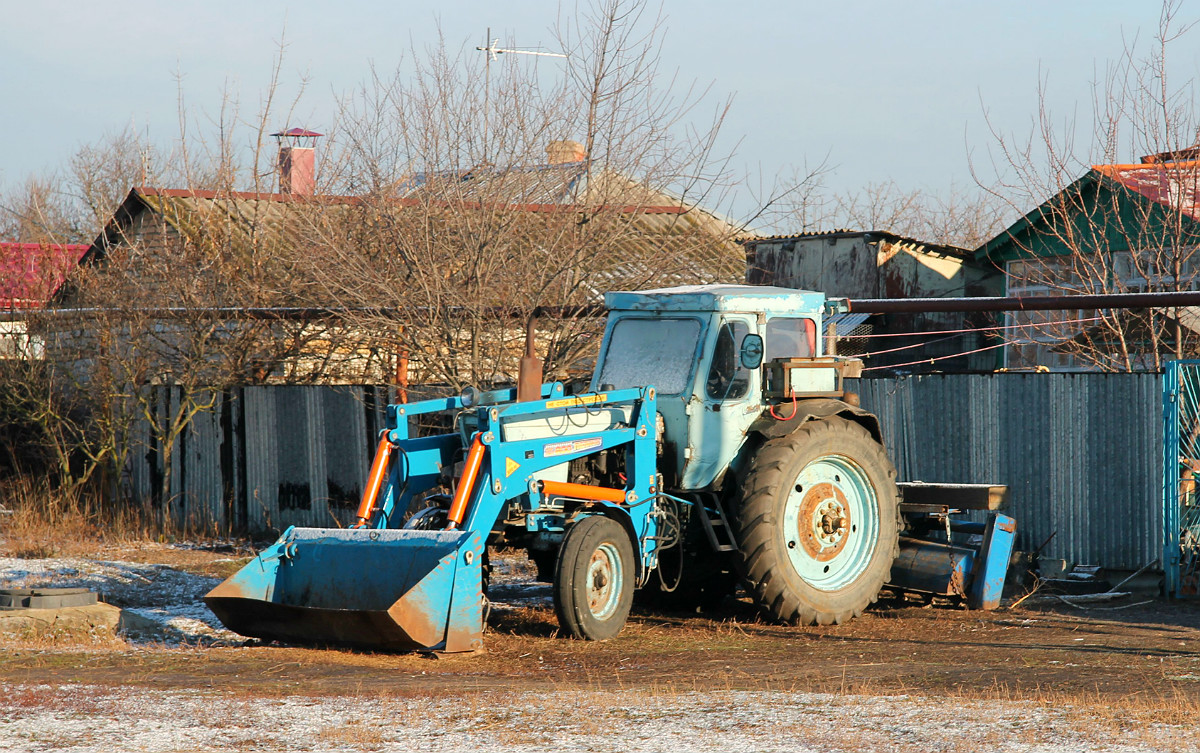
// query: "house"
[[413, 284], [1120, 228], [605, 230], [31, 274], [880, 264]]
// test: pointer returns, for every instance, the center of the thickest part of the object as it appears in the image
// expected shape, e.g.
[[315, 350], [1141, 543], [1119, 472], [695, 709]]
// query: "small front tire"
[[593, 581]]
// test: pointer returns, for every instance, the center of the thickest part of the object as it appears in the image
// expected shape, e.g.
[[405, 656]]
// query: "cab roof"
[[742, 298]]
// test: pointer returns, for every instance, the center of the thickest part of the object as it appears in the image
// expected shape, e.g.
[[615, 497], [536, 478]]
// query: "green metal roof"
[[1110, 208]]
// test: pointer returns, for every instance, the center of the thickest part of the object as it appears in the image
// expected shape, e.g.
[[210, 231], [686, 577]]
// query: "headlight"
[[469, 396]]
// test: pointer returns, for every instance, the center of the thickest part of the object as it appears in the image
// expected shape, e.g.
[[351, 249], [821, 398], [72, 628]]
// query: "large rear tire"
[[819, 523], [593, 583]]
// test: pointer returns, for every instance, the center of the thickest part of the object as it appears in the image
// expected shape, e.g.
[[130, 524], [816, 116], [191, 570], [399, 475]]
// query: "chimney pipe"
[[565, 151], [297, 161]]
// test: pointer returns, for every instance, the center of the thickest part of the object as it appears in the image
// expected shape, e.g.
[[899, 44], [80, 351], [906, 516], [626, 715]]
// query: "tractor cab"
[[718, 355]]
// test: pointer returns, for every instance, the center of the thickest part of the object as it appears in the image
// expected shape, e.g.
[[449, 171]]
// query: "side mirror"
[[751, 354]]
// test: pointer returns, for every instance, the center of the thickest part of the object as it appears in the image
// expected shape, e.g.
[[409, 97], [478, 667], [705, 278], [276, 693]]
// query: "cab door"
[[724, 404]]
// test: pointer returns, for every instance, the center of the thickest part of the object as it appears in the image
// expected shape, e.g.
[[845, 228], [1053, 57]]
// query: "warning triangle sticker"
[[510, 465]]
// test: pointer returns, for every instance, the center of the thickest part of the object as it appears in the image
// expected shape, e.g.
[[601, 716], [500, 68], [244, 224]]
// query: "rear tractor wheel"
[[819, 523], [594, 575]]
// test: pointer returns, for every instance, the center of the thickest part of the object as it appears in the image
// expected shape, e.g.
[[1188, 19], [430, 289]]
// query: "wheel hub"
[[824, 521], [830, 523], [603, 587]]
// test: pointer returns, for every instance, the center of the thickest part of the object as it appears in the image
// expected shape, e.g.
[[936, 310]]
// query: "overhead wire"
[[942, 358], [951, 334], [969, 329]]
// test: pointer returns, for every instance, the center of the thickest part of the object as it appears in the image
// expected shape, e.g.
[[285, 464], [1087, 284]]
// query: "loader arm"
[[379, 587]]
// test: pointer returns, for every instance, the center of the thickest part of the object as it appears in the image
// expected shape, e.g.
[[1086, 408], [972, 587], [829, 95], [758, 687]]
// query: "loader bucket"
[[369, 588]]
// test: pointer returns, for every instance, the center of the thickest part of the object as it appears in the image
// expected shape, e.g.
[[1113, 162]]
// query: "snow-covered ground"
[[168, 597], [36, 718], [173, 599], [86, 719]]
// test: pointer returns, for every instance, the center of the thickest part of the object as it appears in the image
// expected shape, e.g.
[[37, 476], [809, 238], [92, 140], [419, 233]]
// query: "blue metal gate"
[[1181, 478]]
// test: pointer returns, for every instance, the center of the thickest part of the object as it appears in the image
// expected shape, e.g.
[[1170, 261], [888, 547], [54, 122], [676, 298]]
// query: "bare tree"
[[41, 211], [957, 217], [498, 187], [1103, 227]]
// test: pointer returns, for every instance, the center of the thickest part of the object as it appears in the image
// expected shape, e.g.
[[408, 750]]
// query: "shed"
[[881, 264]]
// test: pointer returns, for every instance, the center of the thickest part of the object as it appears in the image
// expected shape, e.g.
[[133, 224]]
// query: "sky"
[[876, 91]]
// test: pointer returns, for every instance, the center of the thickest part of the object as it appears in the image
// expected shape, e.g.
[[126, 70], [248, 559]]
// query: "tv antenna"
[[493, 51]]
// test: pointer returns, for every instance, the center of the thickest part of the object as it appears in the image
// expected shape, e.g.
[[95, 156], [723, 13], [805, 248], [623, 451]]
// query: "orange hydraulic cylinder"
[[374, 482], [582, 491], [462, 493]]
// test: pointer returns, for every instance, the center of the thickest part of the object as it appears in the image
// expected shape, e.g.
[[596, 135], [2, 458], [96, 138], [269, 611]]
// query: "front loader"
[[716, 444]]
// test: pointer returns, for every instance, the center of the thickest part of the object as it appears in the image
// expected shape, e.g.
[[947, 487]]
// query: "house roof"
[[870, 236], [657, 217], [31, 273], [1174, 185], [659, 225], [560, 183]]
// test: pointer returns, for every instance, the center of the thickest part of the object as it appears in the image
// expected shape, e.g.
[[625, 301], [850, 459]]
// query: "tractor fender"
[[814, 409]]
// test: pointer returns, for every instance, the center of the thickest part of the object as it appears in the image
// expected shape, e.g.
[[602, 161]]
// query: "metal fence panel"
[[263, 458], [1080, 453], [1181, 470]]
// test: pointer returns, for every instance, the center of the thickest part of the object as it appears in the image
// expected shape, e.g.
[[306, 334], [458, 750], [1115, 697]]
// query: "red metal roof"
[[31, 273], [298, 132], [1172, 184]]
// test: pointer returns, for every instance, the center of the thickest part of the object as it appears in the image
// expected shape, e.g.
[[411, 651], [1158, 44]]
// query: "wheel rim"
[[831, 522], [604, 578]]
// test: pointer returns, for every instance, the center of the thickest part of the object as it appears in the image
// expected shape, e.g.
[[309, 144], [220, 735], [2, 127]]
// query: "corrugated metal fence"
[[264, 458], [1081, 454]]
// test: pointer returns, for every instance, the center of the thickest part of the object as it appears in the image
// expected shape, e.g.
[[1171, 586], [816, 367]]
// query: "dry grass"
[[59, 639], [1158, 703], [357, 735], [46, 522]]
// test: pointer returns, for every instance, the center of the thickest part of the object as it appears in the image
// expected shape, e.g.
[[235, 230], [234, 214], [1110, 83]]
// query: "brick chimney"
[[561, 152], [297, 161]]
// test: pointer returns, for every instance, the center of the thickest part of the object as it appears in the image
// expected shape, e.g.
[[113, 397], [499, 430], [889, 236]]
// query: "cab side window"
[[789, 337], [727, 380]]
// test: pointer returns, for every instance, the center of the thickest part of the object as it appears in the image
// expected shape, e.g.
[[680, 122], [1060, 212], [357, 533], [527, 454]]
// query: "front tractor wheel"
[[819, 523], [593, 579]]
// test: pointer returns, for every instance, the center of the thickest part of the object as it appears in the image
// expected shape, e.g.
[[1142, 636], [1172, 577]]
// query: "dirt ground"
[[1127, 662], [1151, 651], [1119, 650]]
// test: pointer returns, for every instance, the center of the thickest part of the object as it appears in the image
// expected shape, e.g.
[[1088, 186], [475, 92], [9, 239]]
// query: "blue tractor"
[[716, 445]]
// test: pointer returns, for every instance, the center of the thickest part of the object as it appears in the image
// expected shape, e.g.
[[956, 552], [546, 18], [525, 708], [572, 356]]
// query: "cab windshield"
[[659, 352]]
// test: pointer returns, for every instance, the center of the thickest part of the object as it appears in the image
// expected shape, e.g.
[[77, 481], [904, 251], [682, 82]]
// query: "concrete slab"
[[46, 598], [97, 616]]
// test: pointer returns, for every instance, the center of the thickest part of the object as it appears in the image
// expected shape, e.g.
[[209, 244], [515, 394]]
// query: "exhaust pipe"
[[529, 376]]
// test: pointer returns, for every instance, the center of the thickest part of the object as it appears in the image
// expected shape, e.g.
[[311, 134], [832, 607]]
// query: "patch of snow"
[[169, 597], [84, 719]]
